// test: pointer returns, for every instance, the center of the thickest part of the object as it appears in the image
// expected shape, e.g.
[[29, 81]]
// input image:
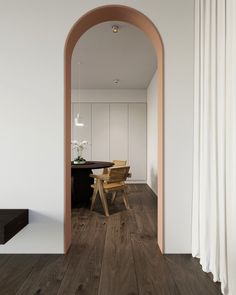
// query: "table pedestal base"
[[81, 188], [81, 182]]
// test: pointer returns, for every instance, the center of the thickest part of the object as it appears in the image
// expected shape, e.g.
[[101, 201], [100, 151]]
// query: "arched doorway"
[[92, 18]]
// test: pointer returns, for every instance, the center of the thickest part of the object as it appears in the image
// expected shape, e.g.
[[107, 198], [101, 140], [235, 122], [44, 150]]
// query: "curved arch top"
[[90, 19]]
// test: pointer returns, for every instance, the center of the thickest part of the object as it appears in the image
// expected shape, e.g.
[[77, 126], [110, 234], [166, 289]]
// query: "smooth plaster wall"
[[152, 134], [33, 35]]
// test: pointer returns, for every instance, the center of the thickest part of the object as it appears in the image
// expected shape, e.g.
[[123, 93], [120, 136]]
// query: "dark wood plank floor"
[[109, 256]]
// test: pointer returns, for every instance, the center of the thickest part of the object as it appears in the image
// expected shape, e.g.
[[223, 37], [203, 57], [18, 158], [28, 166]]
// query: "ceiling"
[[101, 56]]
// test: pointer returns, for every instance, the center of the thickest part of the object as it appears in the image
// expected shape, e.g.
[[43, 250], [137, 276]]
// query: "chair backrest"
[[118, 163], [118, 174]]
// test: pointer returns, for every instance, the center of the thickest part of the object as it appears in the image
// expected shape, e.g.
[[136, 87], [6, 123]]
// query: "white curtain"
[[214, 138], [231, 143]]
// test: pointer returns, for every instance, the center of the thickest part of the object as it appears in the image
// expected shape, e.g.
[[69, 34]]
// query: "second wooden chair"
[[113, 182]]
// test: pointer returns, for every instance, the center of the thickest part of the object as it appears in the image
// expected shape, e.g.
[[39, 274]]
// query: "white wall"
[[152, 134], [178, 123], [33, 35]]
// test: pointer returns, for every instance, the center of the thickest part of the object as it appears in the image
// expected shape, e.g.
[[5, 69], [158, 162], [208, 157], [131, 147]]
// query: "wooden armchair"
[[113, 182]]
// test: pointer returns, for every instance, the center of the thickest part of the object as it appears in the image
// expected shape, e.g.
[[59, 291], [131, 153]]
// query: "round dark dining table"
[[81, 181]]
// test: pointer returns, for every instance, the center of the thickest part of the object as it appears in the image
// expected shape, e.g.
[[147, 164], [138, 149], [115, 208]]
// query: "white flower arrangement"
[[78, 147]]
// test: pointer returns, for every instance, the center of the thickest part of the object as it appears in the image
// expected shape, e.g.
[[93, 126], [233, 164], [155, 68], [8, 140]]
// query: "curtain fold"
[[231, 143], [210, 139]]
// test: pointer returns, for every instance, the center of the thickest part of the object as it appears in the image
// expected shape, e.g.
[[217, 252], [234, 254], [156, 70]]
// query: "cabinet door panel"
[[119, 132], [137, 141], [100, 132]]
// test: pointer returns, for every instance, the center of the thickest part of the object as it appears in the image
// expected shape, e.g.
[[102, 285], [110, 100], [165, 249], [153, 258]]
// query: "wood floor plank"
[[118, 271], [152, 273], [144, 213], [15, 271], [189, 276], [149, 203], [83, 273], [119, 208], [3, 259], [46, 276]]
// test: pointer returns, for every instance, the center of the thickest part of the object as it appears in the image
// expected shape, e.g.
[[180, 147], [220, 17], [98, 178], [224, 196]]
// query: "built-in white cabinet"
[[114, 131], [100, 132]]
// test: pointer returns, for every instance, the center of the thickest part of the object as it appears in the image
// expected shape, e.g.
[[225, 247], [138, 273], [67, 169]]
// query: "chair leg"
[[103, 198], [113, 197], [94, 196], [125, 199]]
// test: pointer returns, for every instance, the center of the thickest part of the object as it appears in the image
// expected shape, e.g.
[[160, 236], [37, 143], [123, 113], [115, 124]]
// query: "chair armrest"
[[104, 177], [93, 175]]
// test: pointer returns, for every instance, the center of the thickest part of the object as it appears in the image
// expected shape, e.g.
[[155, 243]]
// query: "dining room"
[[113, 106]]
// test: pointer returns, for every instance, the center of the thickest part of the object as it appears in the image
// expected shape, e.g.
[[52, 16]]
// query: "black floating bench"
[[11, 222]]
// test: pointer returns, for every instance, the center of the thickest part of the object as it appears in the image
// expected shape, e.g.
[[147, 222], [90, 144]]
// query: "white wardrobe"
[[115, 131]]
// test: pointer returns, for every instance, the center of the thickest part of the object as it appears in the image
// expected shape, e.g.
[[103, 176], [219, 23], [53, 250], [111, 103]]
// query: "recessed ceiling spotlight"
[[115, 29], [116, 81]]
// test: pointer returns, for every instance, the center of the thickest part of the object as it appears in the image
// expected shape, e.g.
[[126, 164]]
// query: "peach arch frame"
[[90, 19]]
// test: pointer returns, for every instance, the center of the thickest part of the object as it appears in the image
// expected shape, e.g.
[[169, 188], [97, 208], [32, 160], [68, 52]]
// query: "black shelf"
[[11, 222]]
